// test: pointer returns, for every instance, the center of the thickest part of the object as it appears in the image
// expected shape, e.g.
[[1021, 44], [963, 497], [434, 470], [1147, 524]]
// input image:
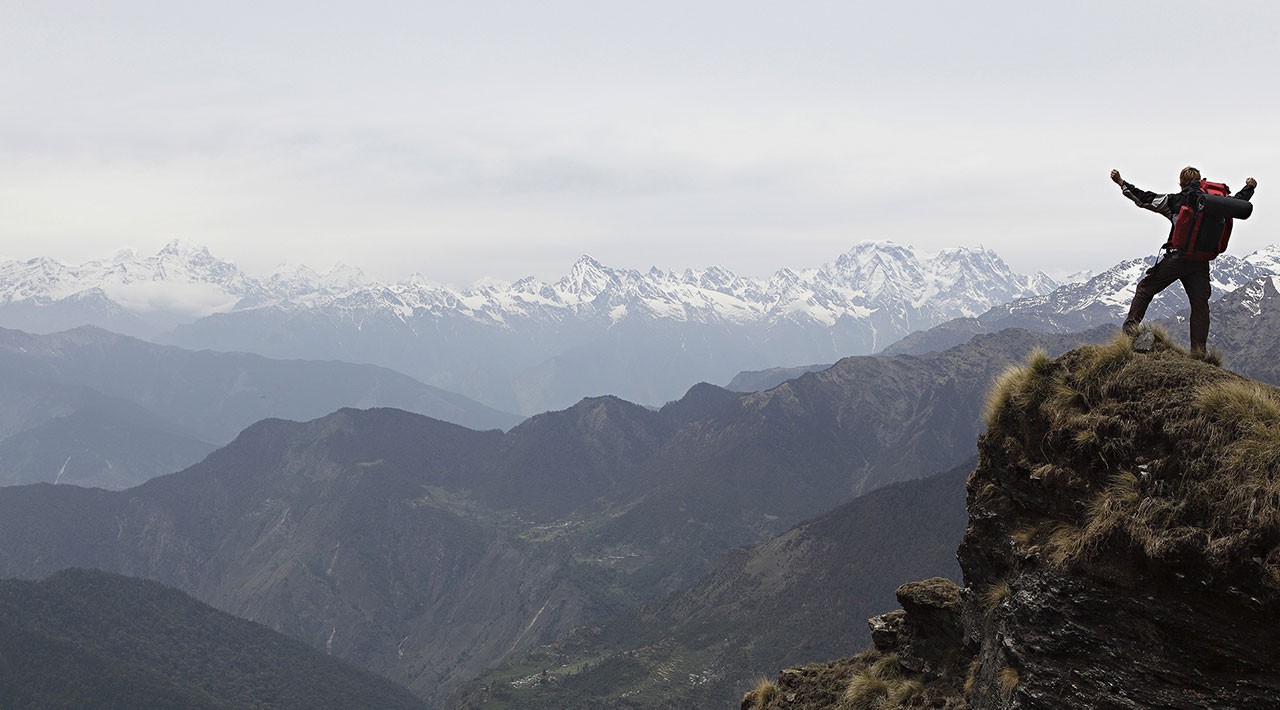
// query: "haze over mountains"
[[528, 346], [95, 408]]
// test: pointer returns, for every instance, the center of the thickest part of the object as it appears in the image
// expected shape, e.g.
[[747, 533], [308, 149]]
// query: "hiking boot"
[[1144, 342]]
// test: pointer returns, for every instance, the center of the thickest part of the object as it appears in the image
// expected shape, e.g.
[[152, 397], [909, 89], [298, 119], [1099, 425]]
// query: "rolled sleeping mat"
[[1217, 206]]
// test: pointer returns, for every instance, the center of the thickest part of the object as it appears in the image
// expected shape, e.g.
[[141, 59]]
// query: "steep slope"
[[84, 638], [800, 596], [1122, 551]]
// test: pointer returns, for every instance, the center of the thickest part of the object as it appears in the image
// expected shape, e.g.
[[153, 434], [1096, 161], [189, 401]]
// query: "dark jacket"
[[1168, 205]]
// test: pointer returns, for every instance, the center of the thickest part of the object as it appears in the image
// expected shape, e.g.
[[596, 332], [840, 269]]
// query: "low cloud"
[[192, 300]]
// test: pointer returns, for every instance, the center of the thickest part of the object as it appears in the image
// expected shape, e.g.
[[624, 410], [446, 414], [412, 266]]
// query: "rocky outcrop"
[[1123, 551]]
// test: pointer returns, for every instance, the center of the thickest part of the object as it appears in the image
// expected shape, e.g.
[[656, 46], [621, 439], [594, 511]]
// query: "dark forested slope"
[[85, 638]]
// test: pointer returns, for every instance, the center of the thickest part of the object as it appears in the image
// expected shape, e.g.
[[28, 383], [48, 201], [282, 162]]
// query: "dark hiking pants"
[[1194, 276]]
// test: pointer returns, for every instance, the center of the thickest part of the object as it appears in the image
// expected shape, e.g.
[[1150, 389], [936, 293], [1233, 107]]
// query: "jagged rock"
[[886, 629], [933, 644]]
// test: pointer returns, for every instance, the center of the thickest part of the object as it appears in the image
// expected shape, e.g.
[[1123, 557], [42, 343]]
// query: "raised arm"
[[1160, 204], [1246, 192]]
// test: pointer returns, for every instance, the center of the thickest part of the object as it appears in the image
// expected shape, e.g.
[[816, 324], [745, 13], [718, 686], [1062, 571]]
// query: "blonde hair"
[[1189, 176]]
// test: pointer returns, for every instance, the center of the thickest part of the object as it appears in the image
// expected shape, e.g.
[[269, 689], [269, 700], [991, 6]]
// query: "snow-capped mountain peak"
[[587, 278], [1266, 258]]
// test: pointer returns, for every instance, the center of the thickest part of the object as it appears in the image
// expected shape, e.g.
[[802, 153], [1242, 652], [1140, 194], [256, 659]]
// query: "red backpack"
[[1203, 228]]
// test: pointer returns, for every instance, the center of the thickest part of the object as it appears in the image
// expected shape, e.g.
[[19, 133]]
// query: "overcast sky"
[[504, 139]]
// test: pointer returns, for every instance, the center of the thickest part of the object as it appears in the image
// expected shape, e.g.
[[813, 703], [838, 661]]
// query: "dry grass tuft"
[[882, 684], [1241, 419], [1008, 680], [904, 691], [1040, 362], [1066, 543], [971, 678], [1020, 387], [1101, 363], [886, 667], [764, 692], [1163, 339], [1003, 392], [996, 593], [1241, 404]]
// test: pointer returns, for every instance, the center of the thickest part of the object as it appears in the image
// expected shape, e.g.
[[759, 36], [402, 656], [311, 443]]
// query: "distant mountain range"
[[95, 408], [527, 346]]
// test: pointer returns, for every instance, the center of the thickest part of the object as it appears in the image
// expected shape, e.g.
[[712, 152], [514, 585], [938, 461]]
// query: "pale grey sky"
[[504, 139]]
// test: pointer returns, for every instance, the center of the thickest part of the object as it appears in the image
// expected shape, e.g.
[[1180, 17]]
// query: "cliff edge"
[[1123, 551]]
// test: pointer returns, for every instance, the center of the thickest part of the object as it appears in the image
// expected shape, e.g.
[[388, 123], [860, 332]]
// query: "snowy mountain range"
[[528, 345], [186, 281]]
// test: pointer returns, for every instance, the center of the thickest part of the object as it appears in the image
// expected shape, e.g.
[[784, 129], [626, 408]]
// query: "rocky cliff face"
[[1123, 551]]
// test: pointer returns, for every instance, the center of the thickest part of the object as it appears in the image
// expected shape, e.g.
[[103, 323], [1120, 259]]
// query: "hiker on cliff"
[[1173, 264]]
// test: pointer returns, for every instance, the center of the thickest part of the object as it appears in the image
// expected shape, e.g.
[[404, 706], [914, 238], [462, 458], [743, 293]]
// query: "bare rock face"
[[1123, 550], [930, 639]]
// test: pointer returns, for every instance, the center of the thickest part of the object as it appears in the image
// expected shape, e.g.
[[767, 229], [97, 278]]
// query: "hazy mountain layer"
[[215, 394], [94, 408], [108, 444]]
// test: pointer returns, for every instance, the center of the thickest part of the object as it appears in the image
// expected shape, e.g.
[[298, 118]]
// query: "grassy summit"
[[1155, 453]]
